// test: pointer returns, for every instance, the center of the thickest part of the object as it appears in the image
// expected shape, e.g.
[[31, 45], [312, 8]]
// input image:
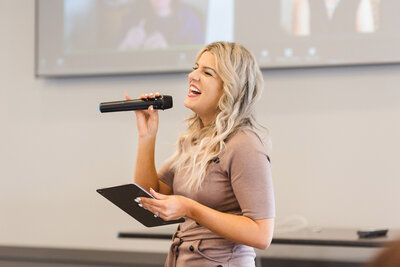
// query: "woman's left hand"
[[167, 207]]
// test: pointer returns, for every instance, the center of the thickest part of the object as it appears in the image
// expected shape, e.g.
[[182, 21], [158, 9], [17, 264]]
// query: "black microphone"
[[159, 102]]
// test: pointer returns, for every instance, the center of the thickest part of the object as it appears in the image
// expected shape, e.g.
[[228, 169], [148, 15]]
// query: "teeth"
[[195, 90]]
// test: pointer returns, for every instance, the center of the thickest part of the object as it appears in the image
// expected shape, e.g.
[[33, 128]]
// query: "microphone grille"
[[167, 102]]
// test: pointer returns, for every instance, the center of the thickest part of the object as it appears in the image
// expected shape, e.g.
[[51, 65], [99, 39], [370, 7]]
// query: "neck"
[[206, 121]]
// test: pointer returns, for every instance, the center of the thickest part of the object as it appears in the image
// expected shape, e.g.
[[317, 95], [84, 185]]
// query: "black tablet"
[[124, 196]]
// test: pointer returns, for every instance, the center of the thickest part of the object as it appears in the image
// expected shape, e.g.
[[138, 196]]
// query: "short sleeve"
[[250, 172], [166, 174]]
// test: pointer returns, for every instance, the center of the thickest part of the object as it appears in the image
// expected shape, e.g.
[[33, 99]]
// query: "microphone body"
[[160, 102]]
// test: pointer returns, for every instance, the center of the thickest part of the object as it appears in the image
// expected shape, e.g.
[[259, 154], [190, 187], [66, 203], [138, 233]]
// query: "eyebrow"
[[205, 67]]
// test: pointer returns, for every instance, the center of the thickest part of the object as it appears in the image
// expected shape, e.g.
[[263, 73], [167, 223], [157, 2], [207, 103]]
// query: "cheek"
[[217, 94]]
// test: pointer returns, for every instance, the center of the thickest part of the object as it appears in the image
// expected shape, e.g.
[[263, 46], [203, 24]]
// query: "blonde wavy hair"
[[242, 87]]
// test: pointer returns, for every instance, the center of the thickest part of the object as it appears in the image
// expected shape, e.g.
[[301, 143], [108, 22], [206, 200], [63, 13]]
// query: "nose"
[[194, 75]]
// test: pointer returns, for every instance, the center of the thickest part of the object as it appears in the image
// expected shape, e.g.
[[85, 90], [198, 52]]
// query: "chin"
[[188, 103], [190, 106]]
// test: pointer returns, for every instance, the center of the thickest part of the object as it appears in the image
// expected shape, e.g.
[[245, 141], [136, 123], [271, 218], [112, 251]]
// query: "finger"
[[152, 209], [157, 195], [148, 95], [127, 97], [157, 94], [153, 114], [150, 203]]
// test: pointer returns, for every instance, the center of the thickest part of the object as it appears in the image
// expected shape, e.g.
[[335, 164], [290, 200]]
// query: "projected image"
[[163, 23], [78, 37], [139, 24], [317, 17]]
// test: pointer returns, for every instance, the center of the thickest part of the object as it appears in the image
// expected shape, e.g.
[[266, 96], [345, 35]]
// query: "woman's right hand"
[[146, 120]]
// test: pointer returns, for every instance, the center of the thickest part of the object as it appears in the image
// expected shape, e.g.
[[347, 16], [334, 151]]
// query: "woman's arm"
[[239, 229], [145, 170]]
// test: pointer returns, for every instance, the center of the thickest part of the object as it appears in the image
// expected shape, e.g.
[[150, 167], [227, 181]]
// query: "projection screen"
[[97, 37]]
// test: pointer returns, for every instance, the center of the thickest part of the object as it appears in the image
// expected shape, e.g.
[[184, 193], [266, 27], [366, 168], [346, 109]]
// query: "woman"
[[219, 178]]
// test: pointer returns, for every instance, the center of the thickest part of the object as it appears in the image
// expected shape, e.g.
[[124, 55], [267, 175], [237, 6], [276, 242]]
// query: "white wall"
[[335, 133]]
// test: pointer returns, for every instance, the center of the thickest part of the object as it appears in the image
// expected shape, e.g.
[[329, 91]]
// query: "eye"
[[207, 73]]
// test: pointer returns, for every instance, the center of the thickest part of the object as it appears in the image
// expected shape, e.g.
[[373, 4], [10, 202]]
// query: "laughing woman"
[[219, 178]]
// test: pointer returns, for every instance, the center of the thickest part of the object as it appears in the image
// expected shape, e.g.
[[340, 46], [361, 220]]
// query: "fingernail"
[[151, 189], [137, 199], [145, 94], [151, 108], [157, 93], [140, 205]]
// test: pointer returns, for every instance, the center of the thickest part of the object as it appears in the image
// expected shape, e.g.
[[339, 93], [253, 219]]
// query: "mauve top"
[[240, 183]]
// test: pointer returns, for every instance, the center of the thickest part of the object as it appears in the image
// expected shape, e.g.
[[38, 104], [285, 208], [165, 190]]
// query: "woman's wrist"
[[147, 139], [189, 206]]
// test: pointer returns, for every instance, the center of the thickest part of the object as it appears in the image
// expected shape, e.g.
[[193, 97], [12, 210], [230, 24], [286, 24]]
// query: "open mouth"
[[194, 91]]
